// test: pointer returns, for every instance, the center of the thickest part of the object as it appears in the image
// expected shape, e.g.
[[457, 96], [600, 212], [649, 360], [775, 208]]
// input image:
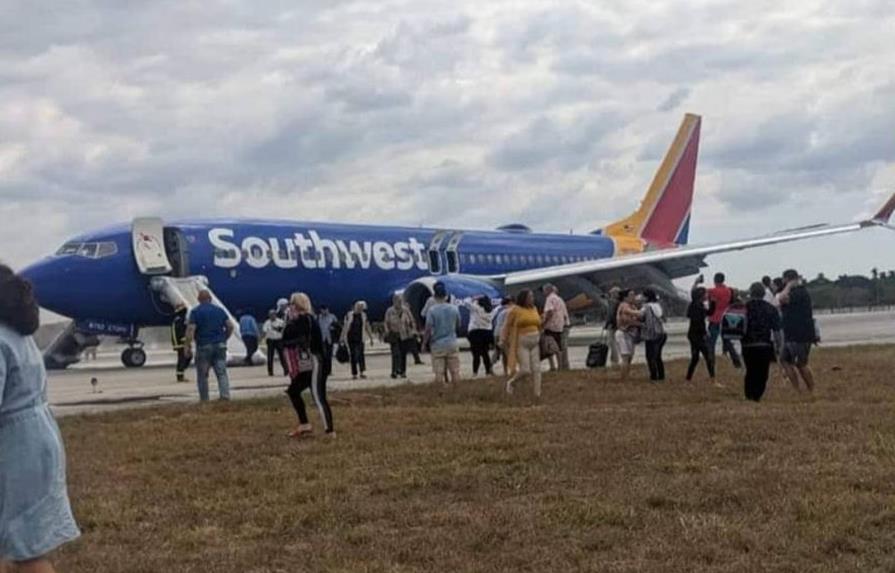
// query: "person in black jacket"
[[303, 343], [762, 331], [178, 341], [698, 312]]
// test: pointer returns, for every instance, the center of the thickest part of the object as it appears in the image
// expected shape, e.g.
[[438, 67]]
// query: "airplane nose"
[[47, 277]]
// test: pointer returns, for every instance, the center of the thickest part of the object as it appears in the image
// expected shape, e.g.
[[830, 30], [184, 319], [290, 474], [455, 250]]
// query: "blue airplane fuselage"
[[251, 263]]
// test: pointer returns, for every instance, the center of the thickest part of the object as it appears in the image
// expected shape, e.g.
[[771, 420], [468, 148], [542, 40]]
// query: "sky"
[[450, 114]]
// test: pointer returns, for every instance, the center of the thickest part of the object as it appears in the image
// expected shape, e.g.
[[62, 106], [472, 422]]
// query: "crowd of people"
[[517, 334], [775, 323]]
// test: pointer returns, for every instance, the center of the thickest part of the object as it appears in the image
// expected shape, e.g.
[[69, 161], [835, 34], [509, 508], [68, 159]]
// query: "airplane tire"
[[133, 357]]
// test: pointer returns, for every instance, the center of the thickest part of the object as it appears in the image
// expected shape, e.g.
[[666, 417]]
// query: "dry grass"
[[601, 477]]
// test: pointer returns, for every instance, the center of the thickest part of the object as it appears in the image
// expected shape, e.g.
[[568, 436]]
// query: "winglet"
[[883, 215]]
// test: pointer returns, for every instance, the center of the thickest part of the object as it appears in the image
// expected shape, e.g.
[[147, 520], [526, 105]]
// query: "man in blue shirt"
[[210, 327], [442, 322], [248, 330]]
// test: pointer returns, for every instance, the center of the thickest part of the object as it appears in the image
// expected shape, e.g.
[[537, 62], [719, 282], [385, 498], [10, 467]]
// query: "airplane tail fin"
[[664, 214]]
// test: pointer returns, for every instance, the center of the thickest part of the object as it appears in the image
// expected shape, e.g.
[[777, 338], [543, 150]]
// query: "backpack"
[[652, 329], [733, 323]]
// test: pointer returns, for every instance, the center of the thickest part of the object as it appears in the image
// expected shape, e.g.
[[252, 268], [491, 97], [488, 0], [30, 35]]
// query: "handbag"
[[298, 361], [548, 345], [342, 355]]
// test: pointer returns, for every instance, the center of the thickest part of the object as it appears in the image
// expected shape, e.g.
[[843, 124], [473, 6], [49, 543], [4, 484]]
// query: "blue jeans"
[[212, 356], [726, 345]]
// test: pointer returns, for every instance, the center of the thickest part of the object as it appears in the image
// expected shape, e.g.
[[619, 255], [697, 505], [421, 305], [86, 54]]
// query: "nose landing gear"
[[134, 356]]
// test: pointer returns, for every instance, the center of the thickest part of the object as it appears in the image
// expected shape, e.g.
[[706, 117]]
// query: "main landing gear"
[[133, 356]]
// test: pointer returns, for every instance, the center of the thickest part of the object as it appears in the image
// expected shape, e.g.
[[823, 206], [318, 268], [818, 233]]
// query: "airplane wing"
[[687, 257]]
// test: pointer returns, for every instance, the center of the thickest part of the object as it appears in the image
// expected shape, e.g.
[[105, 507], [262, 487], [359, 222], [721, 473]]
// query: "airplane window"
[[106, 249], [491, 259], [499, 259], [69, 249]]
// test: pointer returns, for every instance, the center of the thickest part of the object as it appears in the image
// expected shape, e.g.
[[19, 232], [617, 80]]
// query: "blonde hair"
[[302, 302]]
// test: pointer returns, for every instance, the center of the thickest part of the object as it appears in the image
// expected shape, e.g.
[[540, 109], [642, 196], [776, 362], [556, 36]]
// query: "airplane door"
[[148, 240], [177, 250], [452, 257], [435, 260]]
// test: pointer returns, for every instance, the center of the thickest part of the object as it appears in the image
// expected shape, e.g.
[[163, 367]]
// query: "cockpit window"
[[69, 249], [89, 250], [106, 249]]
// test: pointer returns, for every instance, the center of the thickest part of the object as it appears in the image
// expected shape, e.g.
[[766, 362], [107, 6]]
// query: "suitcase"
[[597, 353]]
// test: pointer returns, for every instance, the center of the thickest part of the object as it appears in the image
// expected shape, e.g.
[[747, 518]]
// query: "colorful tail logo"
[[664, 215]]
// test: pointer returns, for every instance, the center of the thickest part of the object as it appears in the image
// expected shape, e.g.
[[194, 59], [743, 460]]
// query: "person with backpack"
[[653, 334], [761, 327], [697, 335], [722, 296]]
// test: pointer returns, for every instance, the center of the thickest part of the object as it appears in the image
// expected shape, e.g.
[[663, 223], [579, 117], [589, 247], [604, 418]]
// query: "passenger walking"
[[35, 513], [178, 341], [303, 344], [697, 335], [442, 323], [522, 333], [500, 317], [273, 336], [762, 328], [611, 325], [248, 331], [628, 319], [331, 330], [354, 330], [210, 327], [722, 295], [556, 322], [399, 333], [480, 335], [799, 331], [654, 335]]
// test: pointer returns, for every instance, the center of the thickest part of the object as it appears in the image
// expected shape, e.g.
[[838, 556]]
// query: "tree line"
[[849, 292]]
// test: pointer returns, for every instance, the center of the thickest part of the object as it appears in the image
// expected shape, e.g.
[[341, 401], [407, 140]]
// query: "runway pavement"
[[71, 391]]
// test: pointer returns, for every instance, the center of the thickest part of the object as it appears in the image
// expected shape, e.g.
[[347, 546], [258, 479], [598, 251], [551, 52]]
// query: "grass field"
[[600, 476]]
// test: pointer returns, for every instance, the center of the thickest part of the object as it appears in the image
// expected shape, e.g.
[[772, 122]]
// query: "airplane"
[[117, 280]]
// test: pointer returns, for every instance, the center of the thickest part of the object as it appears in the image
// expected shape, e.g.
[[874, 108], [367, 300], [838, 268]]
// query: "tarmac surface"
[[71, 391]]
